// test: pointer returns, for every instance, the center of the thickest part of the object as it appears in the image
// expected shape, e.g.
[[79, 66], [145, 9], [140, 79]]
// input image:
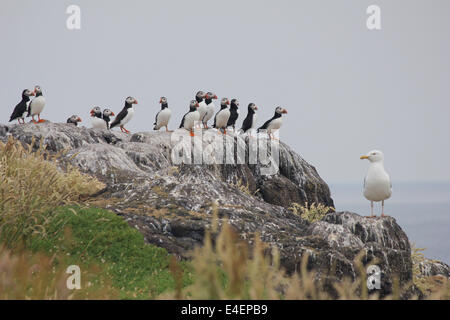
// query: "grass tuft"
[[31, 186]]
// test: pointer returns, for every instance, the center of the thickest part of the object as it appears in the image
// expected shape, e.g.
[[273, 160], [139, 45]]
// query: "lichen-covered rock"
[[172, 205]]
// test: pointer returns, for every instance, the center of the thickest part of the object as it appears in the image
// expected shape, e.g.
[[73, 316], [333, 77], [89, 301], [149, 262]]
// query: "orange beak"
[[112, 113], [92, 112], [284, 111], [135, 101], [79, 119], [256, 108], [215, 97]]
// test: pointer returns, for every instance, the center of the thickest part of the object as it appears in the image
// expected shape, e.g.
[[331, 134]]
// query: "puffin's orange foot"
[[191, 133], [41, 120]]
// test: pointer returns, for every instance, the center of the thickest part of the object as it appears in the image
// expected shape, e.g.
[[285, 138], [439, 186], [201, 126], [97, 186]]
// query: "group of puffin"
[[27, 108], [201, 110]]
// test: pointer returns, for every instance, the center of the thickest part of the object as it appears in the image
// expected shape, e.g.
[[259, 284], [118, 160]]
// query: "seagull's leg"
[[382, 208], [192, 133], [32, 117], [371, 210]]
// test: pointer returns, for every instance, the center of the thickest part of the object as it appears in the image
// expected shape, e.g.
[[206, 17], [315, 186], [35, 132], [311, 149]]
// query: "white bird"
[[37, 105], [163, 116], [377, 183]]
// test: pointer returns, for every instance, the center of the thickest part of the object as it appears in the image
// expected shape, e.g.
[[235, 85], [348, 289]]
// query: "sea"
[[421, 209]]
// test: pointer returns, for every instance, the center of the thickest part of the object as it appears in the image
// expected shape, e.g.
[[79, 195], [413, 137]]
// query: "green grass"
[[96, 237]]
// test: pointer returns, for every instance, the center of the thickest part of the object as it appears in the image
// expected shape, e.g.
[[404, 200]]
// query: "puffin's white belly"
[[128, 117], [98, 123], [377, 185], [190, 119], [275, 124], [209, 113], [37, 105], [202, 109], [222, 118], [163, 118], [255, 118]]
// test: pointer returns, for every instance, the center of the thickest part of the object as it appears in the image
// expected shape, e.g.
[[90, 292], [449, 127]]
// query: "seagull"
[[377, 183]]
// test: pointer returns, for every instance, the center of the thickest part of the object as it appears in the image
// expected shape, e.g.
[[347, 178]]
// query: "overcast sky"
[[347, 89]]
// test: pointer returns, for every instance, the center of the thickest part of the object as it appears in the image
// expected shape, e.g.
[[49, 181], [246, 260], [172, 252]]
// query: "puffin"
[[274, 123], [74, 120], [250, 121], [125, 115], [202, 106], [97, 119], [163, 116], [37, 105], [222, 116], [191, 117], [234, 113], [22, 107], [106, 116], [377, 183], [210, 110]]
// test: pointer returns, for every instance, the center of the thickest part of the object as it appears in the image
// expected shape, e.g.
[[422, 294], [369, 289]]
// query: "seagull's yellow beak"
[[364, 157]]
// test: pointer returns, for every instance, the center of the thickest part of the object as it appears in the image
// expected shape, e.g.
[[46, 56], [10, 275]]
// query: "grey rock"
[[171, 205]]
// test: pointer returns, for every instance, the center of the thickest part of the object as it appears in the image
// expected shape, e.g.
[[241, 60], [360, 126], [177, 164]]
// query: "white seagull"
[[377, 183]]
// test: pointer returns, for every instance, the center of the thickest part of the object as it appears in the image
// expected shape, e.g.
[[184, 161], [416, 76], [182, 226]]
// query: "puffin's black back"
[[266, 124], [247, 124], [234, 114], [20, 108], [122, 114]]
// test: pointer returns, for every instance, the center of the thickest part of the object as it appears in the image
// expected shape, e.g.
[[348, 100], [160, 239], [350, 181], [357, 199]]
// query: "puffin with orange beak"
[[250, 121], [37, 105], [125, 115], [74, 120], [274, 123], [163, 116], [222, 116], [191, 117]]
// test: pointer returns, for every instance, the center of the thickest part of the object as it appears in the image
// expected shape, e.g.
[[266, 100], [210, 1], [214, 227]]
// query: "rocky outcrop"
[[171, 205]]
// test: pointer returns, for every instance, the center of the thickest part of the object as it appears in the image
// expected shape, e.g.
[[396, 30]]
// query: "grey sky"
[[347, 89]]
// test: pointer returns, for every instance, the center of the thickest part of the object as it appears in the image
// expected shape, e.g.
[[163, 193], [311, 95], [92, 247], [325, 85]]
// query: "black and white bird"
[[37, 105], [209, 100], [234, 113], [22, 107], [163, 116], [191, 117], [125, 115], [222, 116], [106, 116], [97, 119], [202, 106], [74, 120], [250, 121], [274, 123]]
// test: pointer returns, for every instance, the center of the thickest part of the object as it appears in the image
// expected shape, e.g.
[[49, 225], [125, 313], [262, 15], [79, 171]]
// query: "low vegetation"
[[312, 213], [31, 187]]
